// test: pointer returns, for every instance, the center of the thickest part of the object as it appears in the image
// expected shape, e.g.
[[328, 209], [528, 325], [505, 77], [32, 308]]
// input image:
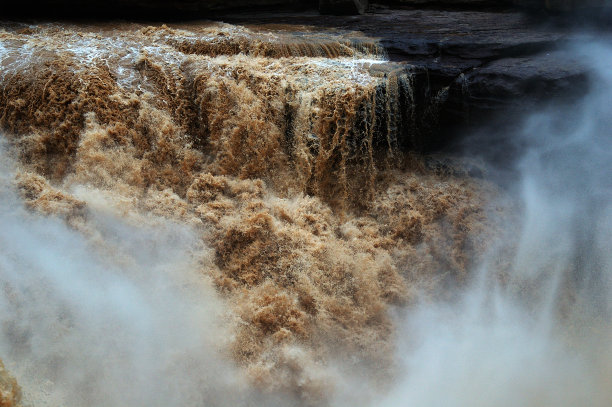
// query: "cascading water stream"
[[219, 215]]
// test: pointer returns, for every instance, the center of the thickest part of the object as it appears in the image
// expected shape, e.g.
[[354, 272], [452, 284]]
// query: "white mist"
[[543, 337], [121, 319]]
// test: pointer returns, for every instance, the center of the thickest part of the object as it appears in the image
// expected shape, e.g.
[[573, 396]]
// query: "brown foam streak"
[[285, 43], [273, 160], [10, 392]]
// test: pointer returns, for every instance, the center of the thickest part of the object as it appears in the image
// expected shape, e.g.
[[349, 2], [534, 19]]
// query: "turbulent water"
[[209, 214]]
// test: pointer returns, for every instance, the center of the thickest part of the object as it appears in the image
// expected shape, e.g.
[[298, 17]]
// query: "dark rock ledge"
[[478, 65]]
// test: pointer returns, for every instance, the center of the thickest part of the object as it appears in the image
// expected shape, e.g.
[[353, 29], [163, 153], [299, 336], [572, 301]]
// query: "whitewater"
[[211, 214]]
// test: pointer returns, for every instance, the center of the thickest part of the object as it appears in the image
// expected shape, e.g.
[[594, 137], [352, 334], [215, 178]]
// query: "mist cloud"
[[540, 338]]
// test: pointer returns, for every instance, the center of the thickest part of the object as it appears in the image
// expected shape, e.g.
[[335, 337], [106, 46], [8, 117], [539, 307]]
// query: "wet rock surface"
[[519, 83]]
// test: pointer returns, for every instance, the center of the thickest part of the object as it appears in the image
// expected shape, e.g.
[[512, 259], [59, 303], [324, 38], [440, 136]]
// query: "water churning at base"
[[221, 215]]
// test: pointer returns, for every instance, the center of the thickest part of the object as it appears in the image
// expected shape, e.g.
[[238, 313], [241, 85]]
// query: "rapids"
[[208, 214]]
